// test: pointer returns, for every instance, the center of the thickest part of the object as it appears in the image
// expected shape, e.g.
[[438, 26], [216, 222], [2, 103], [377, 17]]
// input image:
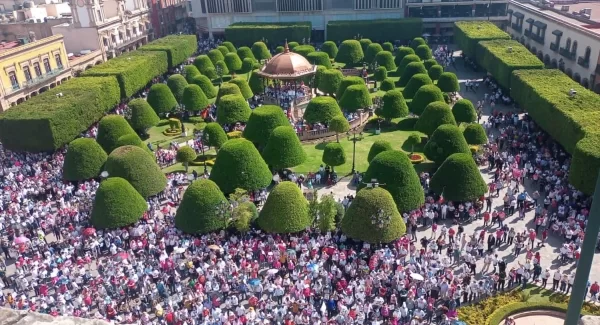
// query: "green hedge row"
[[395, 29], [502, 57], [246, 33], [47, 122], [468, 33], [178, 47]]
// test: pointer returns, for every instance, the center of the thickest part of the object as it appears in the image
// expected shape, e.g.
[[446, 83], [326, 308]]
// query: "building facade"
[[31, 68], [168, 16]]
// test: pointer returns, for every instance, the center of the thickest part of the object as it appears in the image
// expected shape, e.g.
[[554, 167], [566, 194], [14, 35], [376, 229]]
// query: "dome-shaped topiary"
[[224, 50], [110, 129], [330, 48], [448, 82], [229, 46], [464, 111], [260, 51], [394, 105], [372, 51], [247, 65], [161, 98], [190, 72], [210, 72], [373, 203], [377, 147], [318, 74], [203, 62], [304, 50], [245, 52], [347, 82], [388, 84], [321, 110], [319, 58], [445, 141], [116, 204], [215, 56], [330, 81], [293, 45], [177, 84], [350, 53], [401, 52], [416, 42], [334, 154], [424, 52], [406, 61], [338, 124], [284, 150], [387, 46], [243, 86], [458, 179], [194, 98], [143, 116], [364, 44], [380, 74], [411, 69], [233, 109], [429, 63], [239, 165], [138, 168], [285, 211], [435, 72], [227, 88], [262, 122], [394, 169], [256, 83], [198, 212], [84, 160], [356, 97], [185, 155], [434, 115], [233, 62], [475, 134], [386, 59], [214, 135], [206, 85], [425, 95], [131, 140], [221, 68], [416, 81]]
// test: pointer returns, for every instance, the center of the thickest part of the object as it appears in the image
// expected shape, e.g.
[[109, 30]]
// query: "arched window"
[[588, 53], [574, 48], [47, 65], [568, 45], [27, 73], [37, 69], [13, 80]]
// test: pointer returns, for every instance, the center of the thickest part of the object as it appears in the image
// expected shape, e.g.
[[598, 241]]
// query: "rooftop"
[[591, 25], [8, 45]]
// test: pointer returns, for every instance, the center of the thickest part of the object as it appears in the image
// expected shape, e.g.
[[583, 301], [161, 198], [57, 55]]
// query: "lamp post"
[[354, 140], [203, 137]]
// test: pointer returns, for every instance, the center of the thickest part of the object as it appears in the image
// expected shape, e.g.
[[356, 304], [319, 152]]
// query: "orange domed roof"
[[287, 65]]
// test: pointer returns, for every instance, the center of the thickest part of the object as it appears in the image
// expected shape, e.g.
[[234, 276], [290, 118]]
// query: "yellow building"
[[29, 67]]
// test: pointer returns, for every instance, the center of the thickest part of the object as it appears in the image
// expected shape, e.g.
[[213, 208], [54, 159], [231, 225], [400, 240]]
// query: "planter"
[[416, 158]]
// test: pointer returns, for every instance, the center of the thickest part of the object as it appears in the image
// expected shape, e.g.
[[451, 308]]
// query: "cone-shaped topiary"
[[411, 69], [377, 147], [203, 62], [244, 87], [435, 72], [206, 85], [319, 58], [210, 72], [387, 84], [194, 98], [214, 135], [339, 124], [372, 51], [334, 154], [198, 212], [424, 52], [464, 111], [394, 169], [224, 50], [425, 95], [284, 150], [116, 204], [448, 82], [401, 52], [143, 116], [330, 81], [347, 82], [262, 122], [304, 50], [321, 110], [434, 115], [260, 51], [247, 65], [161, 98], [330, 48], [406, 61], [110, 129], [458, 179], [229, 46], [285, 211], [386, 59], [131, 140], [416, 81], [190, 72], [416, 42], [387, 46], [445, 141], [221, 66], [394, 105], [356, 97], [256, 83], [318, 74], [475, 134], [228, 88], [364, 44], [214, 56], [429, 63], [84, 160], [239, 165], [233, 62], [233, 109], [373, 203], [380, 74], [177, 84], [245, 52], [292, 45], [138, 168], [350, 53]]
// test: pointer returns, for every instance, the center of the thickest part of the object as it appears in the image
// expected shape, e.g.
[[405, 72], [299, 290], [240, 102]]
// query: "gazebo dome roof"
[[287, 65]]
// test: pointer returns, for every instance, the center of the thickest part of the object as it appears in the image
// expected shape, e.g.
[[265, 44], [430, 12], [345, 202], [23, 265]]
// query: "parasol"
[[89, 231], [272, 271], [21, 240]]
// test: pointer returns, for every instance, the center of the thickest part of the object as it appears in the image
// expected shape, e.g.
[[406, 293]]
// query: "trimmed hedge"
[[386, 59], [245, 33], [245, 52], [190, 72], [292, 45], [202, 63], [468, 33], [227, 88], [425, 95], [214, 135], [464, 111], [330, 48], [262, 122], [364, 44], [434, 115], [84, 160], [138, 168], [260, 51], [321, 110], [424, 52], [448, 82], [475, 134], [458, 179], [435, 72], [110, 129], [380, 74], [387, 85], [185, 155], [430, 63], [330, 81], [220, 65], [416, 81], [339, 124], [409, 71], [194, 98], [198, 210], [233, 62], [318, 74], [132, 139], [46, 122], [284, 150], [319, 58], [177, 47], [285, 211], [416, 42], [229, 46], [356, 97], [177, 84], [243, 86], [206, 85], [143, 116], [394, 105], [372, 51], [406, 61], [495, 57], [340, 30], [347, 82], [350, 53], [304, 50], [377, 147], [401, 52], [387, 46], [247, 65], [333, 154], [233, 109], [161, 98], [257, 83], [224, 50], [116, 204], [215, 56], [446, 140]]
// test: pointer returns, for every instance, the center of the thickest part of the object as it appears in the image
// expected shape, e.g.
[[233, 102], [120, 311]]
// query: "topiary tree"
[[239, 165], [448, 82], [206, 85], [177, 84], [318, 74], [293, 45], [260, 51], [321, 109], [228, 88], [401, 52], [190, 72], [116, 204], [215, 56], [198, 212], [356, 97], [424, 52], [256, 83], [214, 135], [414, 139], [464, 111], [435, 72], [350, 53], [373, 203], [394, 105], [425, 95], [84, 160], [387, 84], [445, 141], [132, 140], [194, 98], [247, 65], [232, 109], [185, 155], [285, 211], [211, 73], [139, 168], [334, 155], [245, 52], [411, 69], [230, 47], [377, 147], [380, 75], [429, 63], [475, 134], [319, 58], [434, 115], [339, 124], [416, 81], [386, 59], [387, 46], [161, 98], [330, 48], [143, 116], [372, 51], [233, 62], [262, 122], [222, 67], [327, 210], [304, 50], [203, 62], [416, 42], [284, 150], [243, 86], [458, 179], [330, 81], [224, 50], [364, 44], [406, 61], [347, 82], [110, 129], [279, 49]]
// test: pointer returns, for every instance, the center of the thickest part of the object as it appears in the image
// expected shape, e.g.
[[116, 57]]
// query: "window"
[[588, 53], [27, 73], [568, 46], [99, 15], [113, 38], [13, 80], [47, 65], [574, 48], [58, 61], [37, 69]]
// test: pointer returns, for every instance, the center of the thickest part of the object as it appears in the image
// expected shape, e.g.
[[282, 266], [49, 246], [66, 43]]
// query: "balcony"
[[554, 47], [42, 78], [567, 54], [583, 62]]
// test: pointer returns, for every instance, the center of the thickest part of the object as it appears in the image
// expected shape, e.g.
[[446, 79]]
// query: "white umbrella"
[[417, 276], [272, 271], [179, 250]]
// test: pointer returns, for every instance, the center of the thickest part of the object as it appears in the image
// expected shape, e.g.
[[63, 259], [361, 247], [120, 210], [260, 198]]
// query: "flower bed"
[[416, 158]]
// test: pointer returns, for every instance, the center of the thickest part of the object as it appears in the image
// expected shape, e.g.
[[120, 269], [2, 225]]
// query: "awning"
[[530, 20], [557, 32], [540, 25], [519, 15]]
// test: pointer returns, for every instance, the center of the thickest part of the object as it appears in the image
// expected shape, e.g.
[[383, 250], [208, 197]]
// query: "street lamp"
[[203, 137], [354, 140]]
